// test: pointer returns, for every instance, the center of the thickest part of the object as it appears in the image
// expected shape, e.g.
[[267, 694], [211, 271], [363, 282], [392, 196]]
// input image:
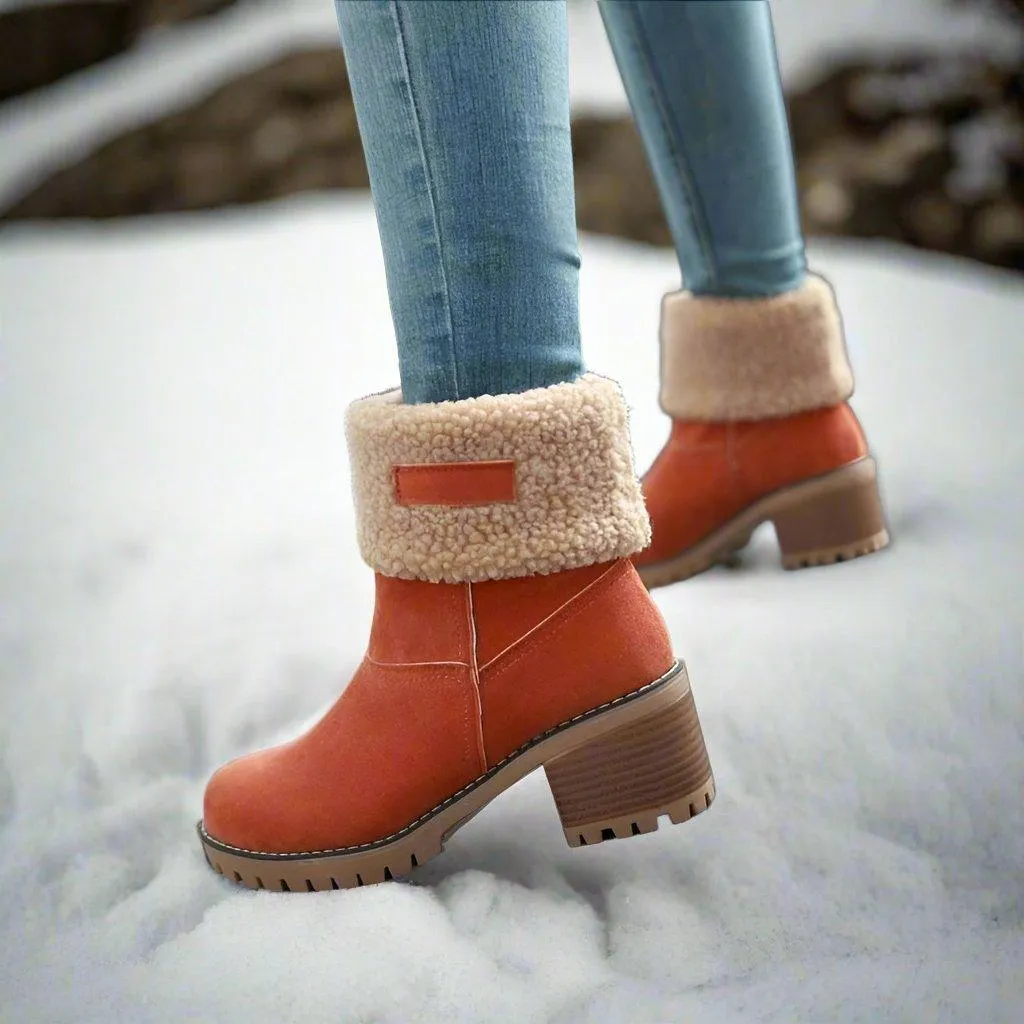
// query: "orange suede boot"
[[510, 631], [761, 430]]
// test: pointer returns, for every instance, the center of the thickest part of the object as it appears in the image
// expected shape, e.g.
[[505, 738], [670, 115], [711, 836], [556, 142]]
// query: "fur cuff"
[[575, 500], [751, 359]]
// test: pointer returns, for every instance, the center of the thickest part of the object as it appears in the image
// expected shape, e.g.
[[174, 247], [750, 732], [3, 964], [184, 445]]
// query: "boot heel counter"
[[849, 434], [616, 633], [648, 632], [608, 642]]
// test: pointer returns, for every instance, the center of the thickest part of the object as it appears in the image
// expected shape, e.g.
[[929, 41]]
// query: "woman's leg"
[[703, 84], [754, 368], [463, 110], [510, 629]]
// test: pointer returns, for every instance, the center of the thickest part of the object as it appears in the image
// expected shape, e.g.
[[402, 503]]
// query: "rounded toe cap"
[[239, 805]]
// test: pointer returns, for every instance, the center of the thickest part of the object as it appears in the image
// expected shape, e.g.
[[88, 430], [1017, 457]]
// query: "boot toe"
[[244, 806]]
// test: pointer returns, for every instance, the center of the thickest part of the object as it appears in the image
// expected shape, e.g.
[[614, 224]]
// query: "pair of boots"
[[512, 626]]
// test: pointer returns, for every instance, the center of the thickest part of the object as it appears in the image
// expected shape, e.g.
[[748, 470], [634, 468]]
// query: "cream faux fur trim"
[[746, 359], [578, 499]]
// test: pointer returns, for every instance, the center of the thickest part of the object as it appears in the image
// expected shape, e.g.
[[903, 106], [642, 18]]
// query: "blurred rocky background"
[[43, 43], [920, 147]]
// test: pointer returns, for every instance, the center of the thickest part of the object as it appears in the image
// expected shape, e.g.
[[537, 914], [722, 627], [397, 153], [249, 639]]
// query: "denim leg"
[[463, 110], [703, 83]]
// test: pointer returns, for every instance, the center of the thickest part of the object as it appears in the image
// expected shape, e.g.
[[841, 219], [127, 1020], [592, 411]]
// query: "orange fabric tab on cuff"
[[456, 483]]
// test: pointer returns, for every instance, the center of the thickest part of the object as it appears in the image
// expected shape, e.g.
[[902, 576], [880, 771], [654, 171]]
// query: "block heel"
[[831, 519], [620, 784]]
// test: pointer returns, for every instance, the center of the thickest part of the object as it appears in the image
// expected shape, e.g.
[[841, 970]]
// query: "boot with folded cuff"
[[510, 631], [761, 431]]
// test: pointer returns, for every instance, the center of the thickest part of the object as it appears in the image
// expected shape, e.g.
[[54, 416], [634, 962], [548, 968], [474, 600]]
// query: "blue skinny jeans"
[[463, 108]]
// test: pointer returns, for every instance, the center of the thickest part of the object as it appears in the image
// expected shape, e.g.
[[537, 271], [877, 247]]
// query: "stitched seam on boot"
[[547, 618], [415, 664], [474, 678], [406, 829], [567, 613]]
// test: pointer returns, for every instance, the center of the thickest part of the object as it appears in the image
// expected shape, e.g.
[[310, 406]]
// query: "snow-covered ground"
[[179, 582]]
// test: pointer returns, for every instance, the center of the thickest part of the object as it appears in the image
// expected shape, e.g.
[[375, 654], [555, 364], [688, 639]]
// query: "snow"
[[179, 583]]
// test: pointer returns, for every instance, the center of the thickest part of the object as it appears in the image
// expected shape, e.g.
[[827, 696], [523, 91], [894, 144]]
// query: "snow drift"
[[179, 582]]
